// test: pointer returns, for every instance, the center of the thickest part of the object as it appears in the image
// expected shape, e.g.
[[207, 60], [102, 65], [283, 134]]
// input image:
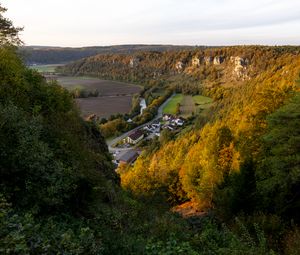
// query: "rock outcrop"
[[218, 60], [195, 62], [179, 66], [134, 62], [208, 60], [240, 67]]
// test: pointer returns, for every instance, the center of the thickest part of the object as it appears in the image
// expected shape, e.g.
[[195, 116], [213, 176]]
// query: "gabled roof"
[[136, 135], [129, 156]]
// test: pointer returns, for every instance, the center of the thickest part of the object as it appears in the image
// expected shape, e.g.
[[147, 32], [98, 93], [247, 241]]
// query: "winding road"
[[159, 114]]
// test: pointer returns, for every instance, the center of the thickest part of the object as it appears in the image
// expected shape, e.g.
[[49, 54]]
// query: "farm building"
[[129, 157], [135, 137]]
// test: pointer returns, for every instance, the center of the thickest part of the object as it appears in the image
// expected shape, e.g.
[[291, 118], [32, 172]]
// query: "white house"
[[179, 122], [135, 137]]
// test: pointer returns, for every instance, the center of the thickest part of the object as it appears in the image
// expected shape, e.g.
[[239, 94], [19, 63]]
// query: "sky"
[[76, 23]]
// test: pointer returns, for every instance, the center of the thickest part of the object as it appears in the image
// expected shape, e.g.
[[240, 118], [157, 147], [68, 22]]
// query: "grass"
[[170, 108], [187, 107], [203, 104], [188, 104], [45, 68], [201, 100]]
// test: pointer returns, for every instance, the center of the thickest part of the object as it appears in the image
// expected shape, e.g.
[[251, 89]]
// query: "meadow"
[[189, 105], [45, 68], [170, 108]]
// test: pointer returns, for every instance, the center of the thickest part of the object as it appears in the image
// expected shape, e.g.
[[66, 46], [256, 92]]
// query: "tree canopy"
[[9, 34]]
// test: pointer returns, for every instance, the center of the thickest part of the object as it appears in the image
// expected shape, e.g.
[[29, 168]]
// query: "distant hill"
[[58, 55], [208, 67]]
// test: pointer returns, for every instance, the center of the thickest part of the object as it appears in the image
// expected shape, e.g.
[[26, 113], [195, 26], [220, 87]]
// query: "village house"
[[166, 117], [129, 157], [135, 137], [179, 122]]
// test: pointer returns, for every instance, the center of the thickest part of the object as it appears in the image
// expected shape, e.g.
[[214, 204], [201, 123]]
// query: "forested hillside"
[[57, 55], [238, 167], [226, 66], [244, 158], [197, 165]]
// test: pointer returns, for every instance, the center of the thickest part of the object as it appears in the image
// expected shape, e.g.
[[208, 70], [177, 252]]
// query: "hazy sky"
[[194, 22]]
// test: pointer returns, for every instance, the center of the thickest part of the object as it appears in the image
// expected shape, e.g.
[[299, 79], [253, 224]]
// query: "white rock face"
[[208, 60], [218, 60], [134, 62], [240, 67], [179, 66], [195, 62]]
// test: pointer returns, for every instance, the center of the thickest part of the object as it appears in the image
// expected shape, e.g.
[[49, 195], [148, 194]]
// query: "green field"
[[202, 104], [170, 108], [202, 100], [188, 104], [45, 68]]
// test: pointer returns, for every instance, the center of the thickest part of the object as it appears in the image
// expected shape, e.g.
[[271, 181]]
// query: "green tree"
[[8, 33], [177, 112], [166, 135], [279, 171]]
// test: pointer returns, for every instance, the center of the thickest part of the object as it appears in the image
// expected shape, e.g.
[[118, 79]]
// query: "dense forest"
[[238, 168], [57, 55], [211, 67], [240, 161]]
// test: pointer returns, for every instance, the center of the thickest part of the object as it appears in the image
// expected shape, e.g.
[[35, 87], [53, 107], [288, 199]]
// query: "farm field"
[[170, 108], [188, 104], [105, 88], [104, 106], [202, 100], [45, 68], [114, 97]]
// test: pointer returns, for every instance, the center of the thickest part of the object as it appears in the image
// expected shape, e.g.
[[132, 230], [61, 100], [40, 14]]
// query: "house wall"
[[129, 140]]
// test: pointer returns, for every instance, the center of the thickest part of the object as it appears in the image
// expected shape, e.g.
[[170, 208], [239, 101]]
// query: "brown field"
[[114, 97], [104, 106], [105, 88], [187, 106]]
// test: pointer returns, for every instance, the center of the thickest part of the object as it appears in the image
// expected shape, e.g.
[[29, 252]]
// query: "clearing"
[[170, 108], [189, 105], [202, 100], [45, 68]]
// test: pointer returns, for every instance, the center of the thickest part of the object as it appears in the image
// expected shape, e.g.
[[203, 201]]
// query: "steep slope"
[[59, 193], [227, 66], [193, 167]]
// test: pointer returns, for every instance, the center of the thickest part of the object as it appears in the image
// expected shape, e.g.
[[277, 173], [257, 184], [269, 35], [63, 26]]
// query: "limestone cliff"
[[240, 69]]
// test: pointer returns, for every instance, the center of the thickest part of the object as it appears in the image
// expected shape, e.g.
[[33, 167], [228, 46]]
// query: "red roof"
[[136, 135]]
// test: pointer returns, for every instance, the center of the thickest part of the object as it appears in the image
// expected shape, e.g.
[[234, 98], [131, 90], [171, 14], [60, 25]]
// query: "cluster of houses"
[[172, 122], [168, 121], [153, 128], [149, 131]]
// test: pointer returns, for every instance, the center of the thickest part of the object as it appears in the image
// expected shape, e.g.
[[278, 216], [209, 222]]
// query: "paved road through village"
[[159, 114]]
